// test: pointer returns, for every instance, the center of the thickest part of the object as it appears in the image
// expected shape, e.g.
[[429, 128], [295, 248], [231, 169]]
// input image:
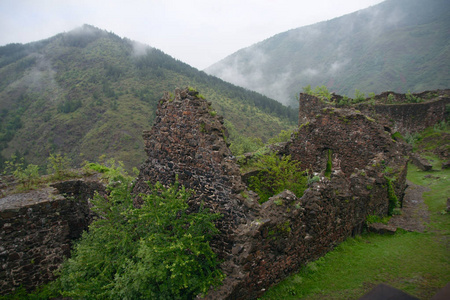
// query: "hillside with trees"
[[397, 45], [87, 93]]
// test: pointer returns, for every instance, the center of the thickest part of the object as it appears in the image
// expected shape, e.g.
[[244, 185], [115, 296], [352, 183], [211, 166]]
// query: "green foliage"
[[96, 95], [157, 251], [412, 138], [69, 106], [413, 99], [241, 144], [320, 92], [345, 101], [375, 64], [377, 219], [359, 96], [358, 264], [313, 179], [27, 176], [393, 200], [59, 166], [397, 136], [390, 99], [276, 175], [283, 136]]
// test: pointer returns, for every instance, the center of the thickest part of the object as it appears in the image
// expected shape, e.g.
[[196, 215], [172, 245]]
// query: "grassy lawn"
[[417, 263]]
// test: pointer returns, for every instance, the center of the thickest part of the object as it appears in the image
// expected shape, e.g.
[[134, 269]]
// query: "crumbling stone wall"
[[402, 117], [187, 142], [309, 106], [262, 244], [409, 117], [37, 229]]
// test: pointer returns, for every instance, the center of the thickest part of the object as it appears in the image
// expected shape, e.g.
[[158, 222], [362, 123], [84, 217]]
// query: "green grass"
[[417, 263]]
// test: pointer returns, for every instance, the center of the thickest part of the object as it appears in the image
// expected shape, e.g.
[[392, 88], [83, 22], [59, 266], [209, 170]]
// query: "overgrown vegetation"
[[26, 175], [320, 92], [276, 175], [156, 251], [360, 263]]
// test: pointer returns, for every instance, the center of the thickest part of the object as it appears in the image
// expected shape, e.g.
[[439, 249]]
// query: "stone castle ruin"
[[259, 244], [399, 116]]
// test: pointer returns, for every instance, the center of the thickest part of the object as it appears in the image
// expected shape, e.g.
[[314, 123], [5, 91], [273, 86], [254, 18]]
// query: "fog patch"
[[337, 66], [310, 72], [140, 49], [40, 79]]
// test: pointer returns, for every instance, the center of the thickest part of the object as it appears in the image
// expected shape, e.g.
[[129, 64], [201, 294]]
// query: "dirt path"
[[415, 214]]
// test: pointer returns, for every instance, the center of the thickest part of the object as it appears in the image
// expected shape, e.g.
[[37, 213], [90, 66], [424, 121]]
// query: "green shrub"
[[390, 98], [157, 251], [359, 96], [283, 136], [320, 92], [26, 176], [276, 175], [58, 165], [413, 99]]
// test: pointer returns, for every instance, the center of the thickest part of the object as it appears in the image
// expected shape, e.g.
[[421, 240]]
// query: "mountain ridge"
[[396, 45], [89, 92]]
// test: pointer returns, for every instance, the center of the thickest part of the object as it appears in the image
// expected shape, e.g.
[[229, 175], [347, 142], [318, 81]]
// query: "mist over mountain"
[[87, 93], [397, 45]]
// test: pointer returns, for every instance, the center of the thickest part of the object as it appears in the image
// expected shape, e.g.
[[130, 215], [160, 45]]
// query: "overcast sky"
[[197, 32]]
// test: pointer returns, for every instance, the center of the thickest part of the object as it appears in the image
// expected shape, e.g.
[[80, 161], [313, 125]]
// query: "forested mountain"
[[87, 93], [397, 45]]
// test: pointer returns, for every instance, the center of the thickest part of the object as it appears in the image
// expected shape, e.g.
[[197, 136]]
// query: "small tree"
[[27, 176], [58, 165]]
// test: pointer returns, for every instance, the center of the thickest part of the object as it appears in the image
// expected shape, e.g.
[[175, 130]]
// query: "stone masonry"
[[259, 245], [37, 229], [262, 244]]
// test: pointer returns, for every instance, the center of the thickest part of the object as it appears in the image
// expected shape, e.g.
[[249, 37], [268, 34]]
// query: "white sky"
[[197, 32]]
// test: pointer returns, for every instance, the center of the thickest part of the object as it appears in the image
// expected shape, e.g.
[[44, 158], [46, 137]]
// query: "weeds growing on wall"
[[27, 176], [276, 175]]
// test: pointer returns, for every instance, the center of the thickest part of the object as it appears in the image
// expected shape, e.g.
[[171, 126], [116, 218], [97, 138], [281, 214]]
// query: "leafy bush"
[[27, 176], [283, 136], [58, 165], [320, 92], [276, 175], [390, 99], [157, 251], [413, 99]]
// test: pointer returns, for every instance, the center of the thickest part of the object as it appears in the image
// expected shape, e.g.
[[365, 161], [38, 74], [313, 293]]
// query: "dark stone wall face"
[[353, 139], [413, 117], [402, 117], [188, 141], [36, 237]]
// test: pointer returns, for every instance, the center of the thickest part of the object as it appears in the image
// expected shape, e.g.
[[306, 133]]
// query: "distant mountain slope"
[[397, 45], [87, 92]]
